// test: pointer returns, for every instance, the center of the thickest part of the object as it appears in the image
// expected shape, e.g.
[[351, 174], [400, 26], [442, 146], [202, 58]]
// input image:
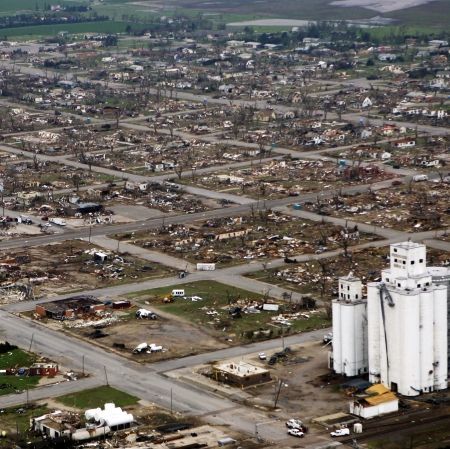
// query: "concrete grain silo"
[[407, 324]]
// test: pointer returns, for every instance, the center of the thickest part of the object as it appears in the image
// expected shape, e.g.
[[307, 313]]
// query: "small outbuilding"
[[379, 401], [240, 374], [44, 369]]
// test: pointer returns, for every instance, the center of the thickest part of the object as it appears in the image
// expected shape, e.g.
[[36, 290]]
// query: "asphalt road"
[[144, 381]]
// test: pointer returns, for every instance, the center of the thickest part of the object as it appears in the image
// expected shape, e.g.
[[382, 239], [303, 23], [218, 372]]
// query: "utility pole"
[[31, 342], [280, 384], [171, 401], [82, 364], [106, 376]]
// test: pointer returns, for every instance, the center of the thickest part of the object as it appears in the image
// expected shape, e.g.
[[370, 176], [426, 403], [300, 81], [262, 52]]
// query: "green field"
[[74, 28], [435, 14], [16, 359], [97, 397], [11, 420], [19, 6], [11, 384], [217, 296]]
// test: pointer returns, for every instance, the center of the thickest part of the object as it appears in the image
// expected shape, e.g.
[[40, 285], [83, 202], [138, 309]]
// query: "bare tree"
[[76, 180], [179, 168], [324, 274]]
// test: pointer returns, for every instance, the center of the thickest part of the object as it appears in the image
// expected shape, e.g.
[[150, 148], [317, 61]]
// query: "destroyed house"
[[83, 208], [70, 308]]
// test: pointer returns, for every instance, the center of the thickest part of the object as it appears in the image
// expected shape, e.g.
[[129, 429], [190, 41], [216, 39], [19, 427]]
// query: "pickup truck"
[[340, 432]]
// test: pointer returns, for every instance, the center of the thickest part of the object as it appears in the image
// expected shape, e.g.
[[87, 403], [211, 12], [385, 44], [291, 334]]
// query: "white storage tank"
[[349, 328]]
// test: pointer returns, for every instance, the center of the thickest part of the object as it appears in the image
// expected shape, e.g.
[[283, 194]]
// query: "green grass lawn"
[[11, 384], [17, 358], [10, 420], [97, 397], [217, 296]]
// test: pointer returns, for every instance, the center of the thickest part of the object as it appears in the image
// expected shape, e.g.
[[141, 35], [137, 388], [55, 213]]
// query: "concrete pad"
[[136, 213]]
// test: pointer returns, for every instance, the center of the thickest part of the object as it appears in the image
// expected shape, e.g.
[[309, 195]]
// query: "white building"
[[407, 324], [349, 355], [379, 401]]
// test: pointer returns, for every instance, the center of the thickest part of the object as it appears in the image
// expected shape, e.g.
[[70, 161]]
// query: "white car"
[[294, 424], [340, 432], [328, 337], [262, 356], [296, 433]]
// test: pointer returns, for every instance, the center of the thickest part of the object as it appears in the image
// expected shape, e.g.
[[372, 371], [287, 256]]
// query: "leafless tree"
[[179, 168]]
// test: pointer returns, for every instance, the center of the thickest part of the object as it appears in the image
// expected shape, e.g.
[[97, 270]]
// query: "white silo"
[[441, 276], [407, 324], [349, 355]]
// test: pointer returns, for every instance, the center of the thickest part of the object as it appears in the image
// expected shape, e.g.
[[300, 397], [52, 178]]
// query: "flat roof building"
[[241, 374]]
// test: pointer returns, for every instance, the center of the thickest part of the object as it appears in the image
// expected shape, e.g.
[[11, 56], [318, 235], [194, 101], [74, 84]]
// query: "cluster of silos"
[[401, 333]]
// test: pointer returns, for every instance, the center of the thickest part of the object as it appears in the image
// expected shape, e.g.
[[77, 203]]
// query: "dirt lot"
[[178, 337], [236, 240], [68, 267], [304, 393]]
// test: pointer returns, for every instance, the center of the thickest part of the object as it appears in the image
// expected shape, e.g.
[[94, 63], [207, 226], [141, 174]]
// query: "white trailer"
[[206, 266], [178, 292], [58, 221]]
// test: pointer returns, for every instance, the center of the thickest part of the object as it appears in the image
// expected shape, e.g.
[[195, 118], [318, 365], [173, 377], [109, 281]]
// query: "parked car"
[[296, 433], [340, 432], [294, 423], [262, 356], [328, 337]]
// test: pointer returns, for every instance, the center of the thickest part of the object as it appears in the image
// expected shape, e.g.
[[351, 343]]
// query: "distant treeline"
[[23, 20]]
